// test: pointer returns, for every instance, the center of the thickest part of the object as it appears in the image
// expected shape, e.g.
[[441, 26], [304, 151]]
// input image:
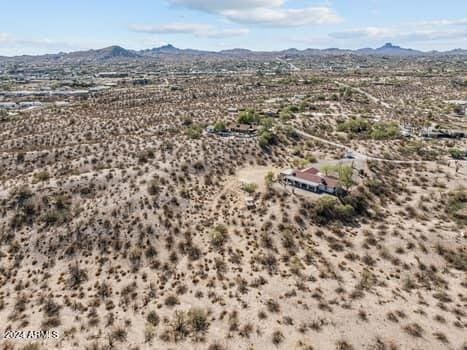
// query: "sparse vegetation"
[[126, 223]]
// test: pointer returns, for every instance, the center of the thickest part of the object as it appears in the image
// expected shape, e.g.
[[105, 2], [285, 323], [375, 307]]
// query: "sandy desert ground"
[[123, 225]]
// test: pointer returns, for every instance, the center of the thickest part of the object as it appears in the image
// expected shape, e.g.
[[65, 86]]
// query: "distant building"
[[250, 202], [235, 129], [8, 105], [29, 104], [460, 107], [461, 110], [112, 75], [242, 129], [443, 133], [270, 112]]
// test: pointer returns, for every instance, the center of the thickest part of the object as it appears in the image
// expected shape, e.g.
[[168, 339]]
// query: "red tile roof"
[[311, 176], [311, 170]]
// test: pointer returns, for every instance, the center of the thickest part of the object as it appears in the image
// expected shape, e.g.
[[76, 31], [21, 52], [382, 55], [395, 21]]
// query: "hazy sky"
[[40, 26]]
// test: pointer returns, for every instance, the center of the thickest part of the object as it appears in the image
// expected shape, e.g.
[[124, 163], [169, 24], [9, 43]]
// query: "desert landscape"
[[179, 210]]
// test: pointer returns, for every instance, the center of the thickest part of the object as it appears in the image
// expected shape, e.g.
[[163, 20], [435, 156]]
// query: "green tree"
[[457, 153], [327, 169], [220, 126], [248, 117], [269, 179], [345, 175], [267, 138]]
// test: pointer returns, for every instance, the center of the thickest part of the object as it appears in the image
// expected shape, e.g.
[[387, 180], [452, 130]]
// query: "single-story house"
[[234, 129], [242, 128], [442, 133], [311, 179]]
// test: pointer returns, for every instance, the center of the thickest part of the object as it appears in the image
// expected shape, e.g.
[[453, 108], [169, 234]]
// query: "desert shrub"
[[367, 280], [149, 333], [269, 261], [457, 259], [58, 210], [288, 240], [22, 200], [328, 209], [249, 187], [378, 187], [457, 153], [219, 235], [31, 346], [20, 195], [343, 345], [41, 176], [385, 131], [179, 327], [153, 318], [194, 131], [171, 300], [119, 334], [456, 204], [269, 179], [198, 320], [187, 120], [311, 158], [154, 187], [77, 276], [414, 329], [145, 156], [20, 157], [216, 346], [51, 308], [273, 306], [55, 217], [277, 337]]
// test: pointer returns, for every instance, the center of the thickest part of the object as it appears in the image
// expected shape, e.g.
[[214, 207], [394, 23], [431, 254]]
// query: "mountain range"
[[115, 53]]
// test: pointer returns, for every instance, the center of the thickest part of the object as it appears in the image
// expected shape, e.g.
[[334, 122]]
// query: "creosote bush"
[[219, 235]]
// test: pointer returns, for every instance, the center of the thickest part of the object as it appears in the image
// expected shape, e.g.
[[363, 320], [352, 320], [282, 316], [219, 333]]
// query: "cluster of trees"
[[249, 116], [266, 136], [344, 209], [287, 112], [376, 131], [385, 131], [458, 153], [328, 209], [355, 126], [456, 202], [343, 172]]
